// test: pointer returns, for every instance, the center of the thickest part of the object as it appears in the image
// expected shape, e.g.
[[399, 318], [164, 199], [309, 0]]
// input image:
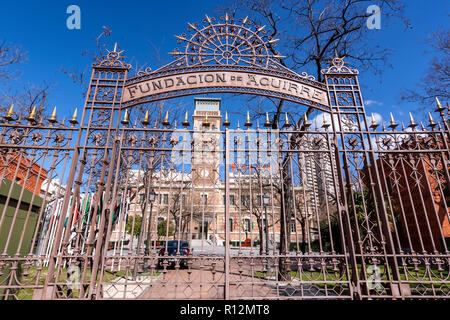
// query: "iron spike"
[[412, 123], [267, 123], [430, 118], [248, 124], [166, 119], [438, 103], [53, 116], [186, 122], [10, 112], [411, 119], [422, 126], [125, 117], [374, 124], [74, 117], [286, 121], [145, 122], [226, 123], [392, 119], [306, 124], [32, 113]]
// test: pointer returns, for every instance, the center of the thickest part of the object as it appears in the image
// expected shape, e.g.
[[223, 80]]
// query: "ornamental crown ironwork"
[[227, 42], [337, 65], [113, 59]]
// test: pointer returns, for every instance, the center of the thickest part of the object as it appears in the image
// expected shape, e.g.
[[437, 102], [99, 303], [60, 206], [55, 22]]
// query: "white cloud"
[[373, 103]]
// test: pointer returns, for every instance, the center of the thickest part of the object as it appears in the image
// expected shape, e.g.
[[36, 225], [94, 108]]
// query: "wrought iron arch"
[[226, 56]]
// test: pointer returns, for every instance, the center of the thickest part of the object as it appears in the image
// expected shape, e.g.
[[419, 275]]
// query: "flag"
[[87, 209], [116, 213], [75, 214]]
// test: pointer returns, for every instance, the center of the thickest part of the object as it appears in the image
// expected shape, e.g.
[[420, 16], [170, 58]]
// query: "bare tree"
[[10, 54], [25, 98], [311, 32], [436, 80]]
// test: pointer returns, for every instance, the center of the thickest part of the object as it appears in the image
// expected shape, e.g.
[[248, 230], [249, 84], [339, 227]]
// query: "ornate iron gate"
[[110, 208]]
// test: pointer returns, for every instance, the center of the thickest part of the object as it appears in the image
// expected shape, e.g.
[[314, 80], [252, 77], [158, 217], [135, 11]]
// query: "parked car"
[[177, 248]]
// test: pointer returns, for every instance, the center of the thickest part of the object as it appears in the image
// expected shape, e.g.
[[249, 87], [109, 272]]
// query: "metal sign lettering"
[[232, 79]]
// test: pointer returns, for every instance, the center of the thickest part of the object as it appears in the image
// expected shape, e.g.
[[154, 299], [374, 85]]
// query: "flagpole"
[[124, 227]]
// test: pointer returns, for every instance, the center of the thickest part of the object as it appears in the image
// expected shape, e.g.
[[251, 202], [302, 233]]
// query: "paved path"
[[207, 282]]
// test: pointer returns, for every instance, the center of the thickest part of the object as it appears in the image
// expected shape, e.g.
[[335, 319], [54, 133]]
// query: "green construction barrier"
[[20, 212]]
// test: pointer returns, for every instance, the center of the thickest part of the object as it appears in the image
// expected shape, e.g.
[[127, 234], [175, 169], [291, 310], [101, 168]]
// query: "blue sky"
[[141, 26]]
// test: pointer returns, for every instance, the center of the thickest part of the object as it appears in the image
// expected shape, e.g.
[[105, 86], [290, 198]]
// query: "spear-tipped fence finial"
[[226, 123], [10, 113], [393, 124], [248, 124], [125, 119], [74, 117], [145, 122], [53, 116], [166, 119], [186, 121]]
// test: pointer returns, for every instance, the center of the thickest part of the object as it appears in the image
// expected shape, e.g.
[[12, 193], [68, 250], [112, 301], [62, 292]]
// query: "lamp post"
[[266, 202], [152, 198]]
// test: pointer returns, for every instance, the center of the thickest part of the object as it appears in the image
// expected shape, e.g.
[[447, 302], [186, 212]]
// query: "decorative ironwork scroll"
[[225, 56]]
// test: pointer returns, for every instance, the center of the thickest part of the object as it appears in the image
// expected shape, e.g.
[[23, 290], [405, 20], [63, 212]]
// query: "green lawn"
[[32, 278], [418, 278]]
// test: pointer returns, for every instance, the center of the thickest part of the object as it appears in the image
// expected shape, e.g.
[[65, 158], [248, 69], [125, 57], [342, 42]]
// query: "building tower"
[[207, 157]]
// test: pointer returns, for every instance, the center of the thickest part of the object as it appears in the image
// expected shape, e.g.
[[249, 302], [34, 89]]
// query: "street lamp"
[[266, 202], [152, 197]]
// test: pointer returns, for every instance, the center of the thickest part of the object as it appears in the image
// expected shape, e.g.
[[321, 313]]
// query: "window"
[[204, 199], [232, 202], [166, 198], [231, 220], [293, 229], [259, 200], [245, 200], [183, 200], [246, 225]]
